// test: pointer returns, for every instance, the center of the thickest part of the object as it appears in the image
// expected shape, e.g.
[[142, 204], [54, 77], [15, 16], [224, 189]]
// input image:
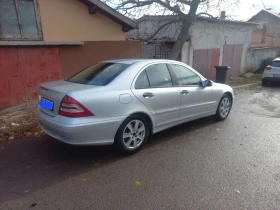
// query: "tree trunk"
[[183, 36], [184, 33]]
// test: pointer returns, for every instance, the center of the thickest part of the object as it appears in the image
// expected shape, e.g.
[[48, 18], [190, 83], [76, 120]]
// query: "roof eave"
[[227, 21], [126, 23], [261, 47], [198, 18], [264, 11]]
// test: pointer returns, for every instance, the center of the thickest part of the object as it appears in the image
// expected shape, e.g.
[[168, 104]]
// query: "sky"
[[248, 8], [243, 11]]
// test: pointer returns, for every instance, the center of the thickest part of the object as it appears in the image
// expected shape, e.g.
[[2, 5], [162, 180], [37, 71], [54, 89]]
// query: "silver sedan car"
[[122, 102]]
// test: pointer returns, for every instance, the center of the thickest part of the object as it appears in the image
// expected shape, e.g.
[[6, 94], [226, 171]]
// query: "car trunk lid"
[[50, 94]]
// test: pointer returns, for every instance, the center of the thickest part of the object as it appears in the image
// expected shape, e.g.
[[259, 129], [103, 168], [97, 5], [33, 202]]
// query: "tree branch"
[[204, 13], [185, 2], [167, 2], [263, 5], [160, 28], [136, 4], [166, 5]]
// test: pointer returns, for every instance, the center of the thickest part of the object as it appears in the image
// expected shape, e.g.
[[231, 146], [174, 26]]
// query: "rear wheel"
[[224, 107], [264, 82], [132, 134]]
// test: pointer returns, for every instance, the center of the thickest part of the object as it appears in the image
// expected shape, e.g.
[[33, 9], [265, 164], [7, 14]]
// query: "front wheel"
[[224, 107], [132, 134]]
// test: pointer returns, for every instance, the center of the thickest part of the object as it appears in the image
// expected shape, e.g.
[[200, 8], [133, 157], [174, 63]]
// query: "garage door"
[[232, 56], [205, 60]]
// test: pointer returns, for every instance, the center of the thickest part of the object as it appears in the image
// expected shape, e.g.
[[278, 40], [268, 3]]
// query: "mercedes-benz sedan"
[[122, 102]]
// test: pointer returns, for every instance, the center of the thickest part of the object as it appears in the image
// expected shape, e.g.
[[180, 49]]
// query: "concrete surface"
[[248, 75], [204, 164], [245, 87]]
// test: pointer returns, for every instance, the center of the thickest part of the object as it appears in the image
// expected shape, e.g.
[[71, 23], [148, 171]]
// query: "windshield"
[[99, 74]]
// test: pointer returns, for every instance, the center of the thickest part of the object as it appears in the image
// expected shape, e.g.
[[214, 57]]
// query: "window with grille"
[[19, 20]]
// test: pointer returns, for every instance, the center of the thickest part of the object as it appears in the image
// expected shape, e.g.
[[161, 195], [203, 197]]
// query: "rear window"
[[99, 74], [275, 64]]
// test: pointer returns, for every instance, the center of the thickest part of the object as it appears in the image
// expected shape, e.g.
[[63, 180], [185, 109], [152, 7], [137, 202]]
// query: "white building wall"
[[191, 56], [204, 35], [210, 35], [185, 53], [221, 56], [255, 56], [214, 35]]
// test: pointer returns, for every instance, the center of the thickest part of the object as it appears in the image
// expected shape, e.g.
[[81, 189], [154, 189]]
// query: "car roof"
[[144, 61], [277, 59], [124, 61]]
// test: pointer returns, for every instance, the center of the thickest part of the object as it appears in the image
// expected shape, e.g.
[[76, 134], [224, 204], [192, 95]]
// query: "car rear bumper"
[[271, 79], [97, 132]]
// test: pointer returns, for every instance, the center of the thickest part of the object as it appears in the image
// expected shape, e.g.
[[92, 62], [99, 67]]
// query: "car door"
[[195, 100], [154, 88]]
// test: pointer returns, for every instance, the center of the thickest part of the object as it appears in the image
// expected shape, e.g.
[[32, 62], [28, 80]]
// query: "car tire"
[[264, 82], [132, 134], [224, 107]]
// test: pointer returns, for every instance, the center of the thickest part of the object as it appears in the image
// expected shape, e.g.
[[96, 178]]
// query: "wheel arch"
[[147, 117], [231, 96], [218, 99], [119, 143]]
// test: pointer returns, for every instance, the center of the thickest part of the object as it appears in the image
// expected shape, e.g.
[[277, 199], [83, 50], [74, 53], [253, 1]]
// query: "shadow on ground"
[[273, 85], [36, 163]]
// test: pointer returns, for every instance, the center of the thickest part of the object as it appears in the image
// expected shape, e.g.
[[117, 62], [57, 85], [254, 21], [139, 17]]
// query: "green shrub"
[[264, 63]]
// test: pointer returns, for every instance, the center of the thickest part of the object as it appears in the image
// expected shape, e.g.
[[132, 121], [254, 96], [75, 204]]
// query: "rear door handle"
[[185, 92], [148, 95]]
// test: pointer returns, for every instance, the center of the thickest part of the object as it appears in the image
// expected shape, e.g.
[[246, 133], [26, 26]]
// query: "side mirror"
[[206, 83]]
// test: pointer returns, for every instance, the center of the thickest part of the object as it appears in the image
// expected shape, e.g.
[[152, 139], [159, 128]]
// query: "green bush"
[[264, 63]]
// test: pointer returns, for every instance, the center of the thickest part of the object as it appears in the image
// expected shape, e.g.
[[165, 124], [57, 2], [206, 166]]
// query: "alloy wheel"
[[225, 107], [134, 134]]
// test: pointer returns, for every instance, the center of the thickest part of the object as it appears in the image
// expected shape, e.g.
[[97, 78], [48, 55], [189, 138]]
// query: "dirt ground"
[[18, 124], [238, 81]]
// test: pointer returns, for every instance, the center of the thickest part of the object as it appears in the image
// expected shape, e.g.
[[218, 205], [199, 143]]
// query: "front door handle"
[[148, 95], [185, 92]]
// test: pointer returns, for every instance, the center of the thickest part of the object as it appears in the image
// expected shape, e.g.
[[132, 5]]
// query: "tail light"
[[268, 68], [69, 107]]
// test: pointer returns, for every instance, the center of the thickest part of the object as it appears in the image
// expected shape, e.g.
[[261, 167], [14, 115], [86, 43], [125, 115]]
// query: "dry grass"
[[257, 78], [18, 124]]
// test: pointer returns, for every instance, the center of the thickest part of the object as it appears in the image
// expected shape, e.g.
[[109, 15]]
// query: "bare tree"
[[184, 12]]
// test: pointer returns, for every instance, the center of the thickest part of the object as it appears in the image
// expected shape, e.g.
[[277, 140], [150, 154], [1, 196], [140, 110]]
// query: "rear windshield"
[[99, 74], [275, 64]]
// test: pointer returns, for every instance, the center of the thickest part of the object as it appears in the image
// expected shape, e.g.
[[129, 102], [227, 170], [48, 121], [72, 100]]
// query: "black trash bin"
[[222, 74]]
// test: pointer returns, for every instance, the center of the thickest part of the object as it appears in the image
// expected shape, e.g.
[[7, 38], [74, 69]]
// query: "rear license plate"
[[46, 104], [276, 75]]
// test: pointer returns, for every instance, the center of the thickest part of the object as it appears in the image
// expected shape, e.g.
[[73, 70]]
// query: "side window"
[[142, 81], [185, 76], [159, 75]]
